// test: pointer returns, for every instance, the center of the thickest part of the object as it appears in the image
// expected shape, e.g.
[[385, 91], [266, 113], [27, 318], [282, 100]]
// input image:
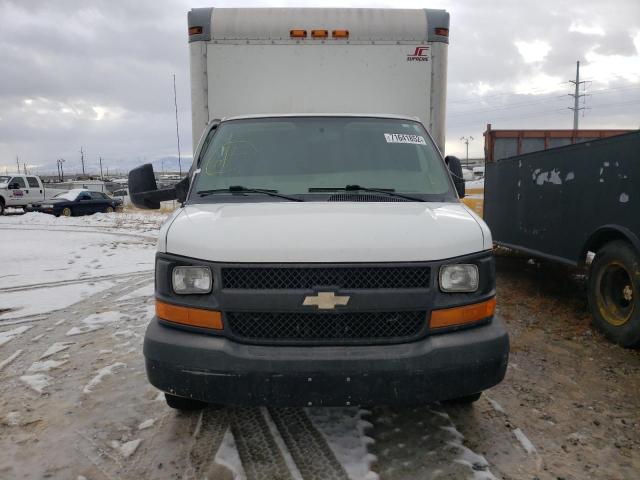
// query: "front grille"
[[335, 328], [258, 278]]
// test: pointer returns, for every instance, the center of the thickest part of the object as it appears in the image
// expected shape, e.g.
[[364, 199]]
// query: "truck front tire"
[[184, 404], [614, 292], [1, 206]]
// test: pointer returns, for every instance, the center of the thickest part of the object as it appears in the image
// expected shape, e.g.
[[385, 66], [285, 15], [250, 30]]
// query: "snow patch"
[[56, 348], [94, 322], [146, 291], [12, 419], [11, 358], [344, 431], [9, 335], [524, 441], [147, 424], [45, 365], [229, 457], [496, 406], [37, 382], [103, 372], [126, 449]]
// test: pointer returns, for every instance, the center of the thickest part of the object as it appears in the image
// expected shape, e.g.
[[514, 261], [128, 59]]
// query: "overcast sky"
[[98, 74]]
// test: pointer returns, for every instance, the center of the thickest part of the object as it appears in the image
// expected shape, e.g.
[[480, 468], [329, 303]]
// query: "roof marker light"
[[443, 32], [340, 33], [319, 33], [298, 33], [195, 30]]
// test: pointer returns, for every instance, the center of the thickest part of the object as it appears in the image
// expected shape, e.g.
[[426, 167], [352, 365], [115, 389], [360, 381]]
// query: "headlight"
[[459, 278], [191, 280]]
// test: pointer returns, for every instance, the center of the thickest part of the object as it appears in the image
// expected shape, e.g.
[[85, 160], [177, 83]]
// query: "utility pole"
[[101, 176], [175, 102], [82, 159], [466, 141], [24, 167], [576, 96], [18, 163], [60, 161]]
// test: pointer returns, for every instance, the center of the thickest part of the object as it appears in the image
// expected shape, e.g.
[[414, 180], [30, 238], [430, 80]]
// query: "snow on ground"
[[76, 403]]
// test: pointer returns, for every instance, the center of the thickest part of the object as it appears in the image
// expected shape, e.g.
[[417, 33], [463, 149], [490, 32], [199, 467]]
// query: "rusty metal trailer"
[[562, 203]]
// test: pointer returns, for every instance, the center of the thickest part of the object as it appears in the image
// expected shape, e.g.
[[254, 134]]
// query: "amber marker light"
[[319, 33], [195, 30], [194, 317], [340, 34], [451, 317], [298, 33], [443, 32]]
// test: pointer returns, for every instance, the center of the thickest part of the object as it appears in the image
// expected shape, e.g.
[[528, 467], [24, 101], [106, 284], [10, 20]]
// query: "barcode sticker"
[[404, 138]]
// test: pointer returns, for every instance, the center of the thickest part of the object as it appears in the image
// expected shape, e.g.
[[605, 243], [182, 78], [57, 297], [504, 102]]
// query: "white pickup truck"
[[20, 191]]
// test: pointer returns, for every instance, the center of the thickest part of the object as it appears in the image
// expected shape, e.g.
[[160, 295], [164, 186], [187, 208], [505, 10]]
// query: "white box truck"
[[321, 255]]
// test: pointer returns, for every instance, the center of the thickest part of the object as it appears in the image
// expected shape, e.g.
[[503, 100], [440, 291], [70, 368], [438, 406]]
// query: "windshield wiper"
[[241, 189], [386, 191]]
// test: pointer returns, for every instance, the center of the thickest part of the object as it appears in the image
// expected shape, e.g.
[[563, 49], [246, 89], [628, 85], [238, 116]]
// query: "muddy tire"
[[184, 404], [109, 209], [466, 400], [614, 293], [67, 212], [1, 207]]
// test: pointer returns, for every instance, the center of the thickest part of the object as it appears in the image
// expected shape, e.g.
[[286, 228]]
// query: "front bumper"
[[218, 370]]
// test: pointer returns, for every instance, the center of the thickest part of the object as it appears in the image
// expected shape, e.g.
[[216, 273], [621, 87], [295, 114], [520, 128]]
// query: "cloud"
[[99, 74]]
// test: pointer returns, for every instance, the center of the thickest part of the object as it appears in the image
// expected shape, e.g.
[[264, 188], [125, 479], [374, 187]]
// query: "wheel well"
[[605, 235]]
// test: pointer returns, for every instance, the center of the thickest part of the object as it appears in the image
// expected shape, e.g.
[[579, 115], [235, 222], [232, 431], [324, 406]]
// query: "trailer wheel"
[[614, 292], [185, 404]]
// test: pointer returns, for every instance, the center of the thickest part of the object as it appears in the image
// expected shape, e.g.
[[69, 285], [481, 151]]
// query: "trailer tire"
[[614, 292]]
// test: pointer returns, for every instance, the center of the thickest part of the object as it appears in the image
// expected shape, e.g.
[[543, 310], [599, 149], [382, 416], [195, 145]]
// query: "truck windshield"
[[309, 155]]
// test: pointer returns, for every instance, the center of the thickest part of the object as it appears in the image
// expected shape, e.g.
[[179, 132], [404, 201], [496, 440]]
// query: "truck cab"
[[19, 191], [320, 258]]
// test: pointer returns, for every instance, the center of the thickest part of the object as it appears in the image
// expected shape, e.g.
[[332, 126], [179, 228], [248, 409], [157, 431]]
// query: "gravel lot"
[[75, 297]]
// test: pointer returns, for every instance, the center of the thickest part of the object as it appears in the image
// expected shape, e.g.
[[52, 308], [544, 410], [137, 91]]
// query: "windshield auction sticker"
[[404, 138]]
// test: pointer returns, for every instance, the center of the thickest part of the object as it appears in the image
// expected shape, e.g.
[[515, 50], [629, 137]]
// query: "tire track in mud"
[[309, 450], [208, 434], [261, 458], [74, 281]]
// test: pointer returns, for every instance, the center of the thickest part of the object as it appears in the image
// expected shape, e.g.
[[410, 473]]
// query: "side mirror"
[[455, 168], [144, 191]]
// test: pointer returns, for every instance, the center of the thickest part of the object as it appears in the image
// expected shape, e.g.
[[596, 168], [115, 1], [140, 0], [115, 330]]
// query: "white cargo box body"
[[244, 61]]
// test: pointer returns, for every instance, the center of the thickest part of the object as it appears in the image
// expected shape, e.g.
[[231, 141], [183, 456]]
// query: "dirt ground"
[[576, 395], [75, 403]]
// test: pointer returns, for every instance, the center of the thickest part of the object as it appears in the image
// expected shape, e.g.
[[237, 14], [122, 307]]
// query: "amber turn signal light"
[[451, 317], [340, 33], [319, 33], [194, 317]]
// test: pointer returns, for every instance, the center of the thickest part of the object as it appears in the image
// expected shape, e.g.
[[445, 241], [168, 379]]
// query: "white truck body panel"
[[31, 191], [306, 232], [246, 63]]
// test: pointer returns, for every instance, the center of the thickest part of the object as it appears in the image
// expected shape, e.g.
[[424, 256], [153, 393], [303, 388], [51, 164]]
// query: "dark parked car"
[[79, 202]]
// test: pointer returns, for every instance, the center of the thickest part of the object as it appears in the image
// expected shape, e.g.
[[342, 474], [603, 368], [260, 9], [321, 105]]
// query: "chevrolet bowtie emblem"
[[326, 300]]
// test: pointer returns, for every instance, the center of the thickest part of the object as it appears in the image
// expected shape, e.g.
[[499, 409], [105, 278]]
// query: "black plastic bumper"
[[217, 370]]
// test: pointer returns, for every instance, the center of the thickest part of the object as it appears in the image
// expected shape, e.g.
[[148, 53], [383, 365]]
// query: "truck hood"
[[324, 232]]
